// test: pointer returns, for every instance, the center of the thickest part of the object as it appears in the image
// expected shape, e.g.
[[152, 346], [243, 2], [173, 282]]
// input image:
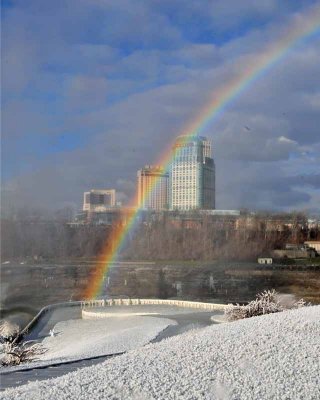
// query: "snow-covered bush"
[[15, 354], [232, 313], [8, 331], [266, 302]]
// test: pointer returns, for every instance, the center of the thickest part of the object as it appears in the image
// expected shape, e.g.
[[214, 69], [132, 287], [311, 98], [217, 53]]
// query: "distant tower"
[[192, 174], [153, 188]]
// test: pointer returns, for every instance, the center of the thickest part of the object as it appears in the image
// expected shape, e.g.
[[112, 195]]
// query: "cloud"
[[285, 140], [254, 138], [312, 180], [86, 104], [85, 92], [258, 187]]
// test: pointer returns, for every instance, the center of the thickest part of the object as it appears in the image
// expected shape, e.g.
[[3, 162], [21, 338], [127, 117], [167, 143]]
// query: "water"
[[26, 288]]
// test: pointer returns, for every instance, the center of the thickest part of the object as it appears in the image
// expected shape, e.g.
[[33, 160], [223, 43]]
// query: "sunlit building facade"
[[192, 174], [153, 188]]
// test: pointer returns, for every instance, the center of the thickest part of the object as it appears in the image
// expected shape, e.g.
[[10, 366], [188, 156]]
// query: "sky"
[[92, 90]]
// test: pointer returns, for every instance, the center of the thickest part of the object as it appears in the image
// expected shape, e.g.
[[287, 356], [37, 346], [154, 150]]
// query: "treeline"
[[51, 239], [167, 238], [214, 239], [169, 243]]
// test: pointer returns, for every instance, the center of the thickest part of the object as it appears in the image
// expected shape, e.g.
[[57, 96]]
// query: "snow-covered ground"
[[273, 356], [78, 339], [87, 338]]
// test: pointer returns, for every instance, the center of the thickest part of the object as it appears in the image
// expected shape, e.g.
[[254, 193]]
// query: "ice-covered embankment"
[[268, 357]]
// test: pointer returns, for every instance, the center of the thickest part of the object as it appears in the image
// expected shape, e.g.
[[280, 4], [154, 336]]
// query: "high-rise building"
[[99, 200], [192, 174], [153, 188]]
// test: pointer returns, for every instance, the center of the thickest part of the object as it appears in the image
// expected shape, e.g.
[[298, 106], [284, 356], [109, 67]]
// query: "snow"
[[78, 339], [273, 356]]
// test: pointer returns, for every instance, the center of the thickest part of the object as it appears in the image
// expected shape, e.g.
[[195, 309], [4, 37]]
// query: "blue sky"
[[94, 89]]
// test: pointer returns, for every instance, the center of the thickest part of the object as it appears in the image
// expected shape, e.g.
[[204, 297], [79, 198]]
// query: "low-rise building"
[[295, 253], [264, 260], [313, 244], [99, 200]]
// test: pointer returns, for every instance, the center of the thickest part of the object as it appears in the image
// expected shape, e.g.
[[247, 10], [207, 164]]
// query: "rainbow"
[[300, 28]]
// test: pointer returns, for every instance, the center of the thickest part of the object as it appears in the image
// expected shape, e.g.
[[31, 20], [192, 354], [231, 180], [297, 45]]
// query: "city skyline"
[[87, 113], [187, 182]]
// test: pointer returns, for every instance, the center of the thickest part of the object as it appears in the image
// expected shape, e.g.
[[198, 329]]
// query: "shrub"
[[15, 354], [267, 302], [8, 331]]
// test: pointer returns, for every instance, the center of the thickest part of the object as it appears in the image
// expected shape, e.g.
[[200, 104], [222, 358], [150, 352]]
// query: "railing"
[[117, 302], [134, 302], [41, 313]]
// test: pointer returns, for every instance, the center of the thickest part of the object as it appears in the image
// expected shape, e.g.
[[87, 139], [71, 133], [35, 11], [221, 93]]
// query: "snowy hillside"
[[268, 357]]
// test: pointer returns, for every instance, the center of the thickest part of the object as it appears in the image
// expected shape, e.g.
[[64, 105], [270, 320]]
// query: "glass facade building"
[[192, 174]]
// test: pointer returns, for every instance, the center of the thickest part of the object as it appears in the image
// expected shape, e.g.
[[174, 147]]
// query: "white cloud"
[[285, 140]]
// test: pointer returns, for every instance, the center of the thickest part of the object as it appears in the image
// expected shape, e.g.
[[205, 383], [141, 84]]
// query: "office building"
[[192, 174], [152, 188], [99, 200]]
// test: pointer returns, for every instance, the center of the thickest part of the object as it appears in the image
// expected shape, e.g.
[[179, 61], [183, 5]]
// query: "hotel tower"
[[192, 174], [153, 188]]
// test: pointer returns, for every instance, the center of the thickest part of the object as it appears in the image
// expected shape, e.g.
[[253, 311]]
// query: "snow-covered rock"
[[273, 356]]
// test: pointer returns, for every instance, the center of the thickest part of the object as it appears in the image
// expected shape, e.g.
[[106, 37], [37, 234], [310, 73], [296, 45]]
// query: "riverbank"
[[25, 288]]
